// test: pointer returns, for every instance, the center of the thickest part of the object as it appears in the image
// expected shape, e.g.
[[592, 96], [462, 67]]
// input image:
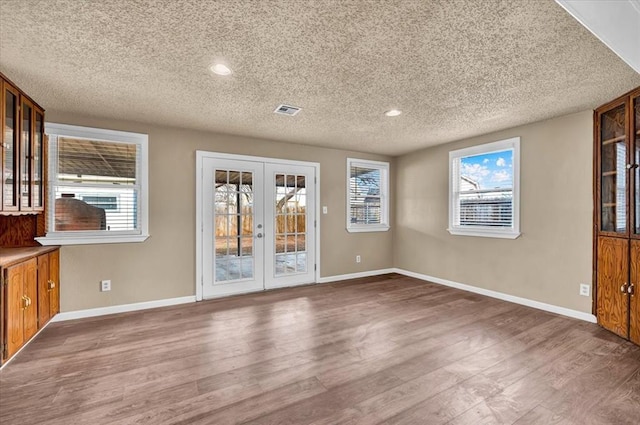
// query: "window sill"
[[87, 240], [368, 229], [485, 233]]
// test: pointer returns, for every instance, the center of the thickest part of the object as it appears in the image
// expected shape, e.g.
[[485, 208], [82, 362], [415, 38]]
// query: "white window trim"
[[488, 232], [384, 196], [90, 237]]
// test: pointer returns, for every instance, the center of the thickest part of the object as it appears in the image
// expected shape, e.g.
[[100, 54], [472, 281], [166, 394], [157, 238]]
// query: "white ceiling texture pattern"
[[456, 68]]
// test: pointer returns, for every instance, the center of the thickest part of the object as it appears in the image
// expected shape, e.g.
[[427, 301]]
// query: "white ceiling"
[[457, 68]]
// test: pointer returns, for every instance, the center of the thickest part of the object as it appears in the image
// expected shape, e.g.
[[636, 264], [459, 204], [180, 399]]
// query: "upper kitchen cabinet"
[[23, 151]]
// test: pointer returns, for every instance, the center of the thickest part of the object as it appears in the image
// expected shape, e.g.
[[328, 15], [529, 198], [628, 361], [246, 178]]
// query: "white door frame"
[[200, 155]]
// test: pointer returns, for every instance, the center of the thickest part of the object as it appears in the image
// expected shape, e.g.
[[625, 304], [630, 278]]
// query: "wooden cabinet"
[[22, 317], [30, 294], [23, 152], [48, 289], [617, 216]]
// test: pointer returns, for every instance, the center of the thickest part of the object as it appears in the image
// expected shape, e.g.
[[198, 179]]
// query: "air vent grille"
[[287, 110]]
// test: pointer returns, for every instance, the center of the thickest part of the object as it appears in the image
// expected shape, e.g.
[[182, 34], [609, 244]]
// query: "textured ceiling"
[[457, 68]]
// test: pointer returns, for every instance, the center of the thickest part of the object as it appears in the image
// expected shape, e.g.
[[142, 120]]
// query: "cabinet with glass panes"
[[22, 153], [617, 216]]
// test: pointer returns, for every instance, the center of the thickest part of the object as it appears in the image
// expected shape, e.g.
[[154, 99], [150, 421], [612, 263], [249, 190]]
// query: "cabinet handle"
[[52, 285], [25, 303], [623, 288], [631, 289], [28, 301]]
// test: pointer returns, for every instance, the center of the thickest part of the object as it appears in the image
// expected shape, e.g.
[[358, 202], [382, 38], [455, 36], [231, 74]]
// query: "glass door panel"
[[232, 223], [636, 162], [38, 161], [25, 156], [613, 176], [10, 149], [290, 202]]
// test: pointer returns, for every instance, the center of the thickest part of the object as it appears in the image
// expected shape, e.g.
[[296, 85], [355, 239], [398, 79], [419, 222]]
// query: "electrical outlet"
[[358, 258], [105, 285], [324, 209], [584, 289]]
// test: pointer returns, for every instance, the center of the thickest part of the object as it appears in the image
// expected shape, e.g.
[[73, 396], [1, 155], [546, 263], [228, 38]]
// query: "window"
[[367, 196], [97, 186], [484, 190]]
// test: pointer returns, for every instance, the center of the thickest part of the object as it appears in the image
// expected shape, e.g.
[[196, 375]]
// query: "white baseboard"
[[25, 344], [369, 273], [502, 296], [101, 311]]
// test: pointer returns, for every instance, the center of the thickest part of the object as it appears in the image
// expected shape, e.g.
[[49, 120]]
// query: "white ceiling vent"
[[287, 110]]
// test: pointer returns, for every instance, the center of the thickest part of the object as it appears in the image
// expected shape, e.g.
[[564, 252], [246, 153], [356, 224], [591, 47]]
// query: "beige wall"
[[553, 255], [164, 265]]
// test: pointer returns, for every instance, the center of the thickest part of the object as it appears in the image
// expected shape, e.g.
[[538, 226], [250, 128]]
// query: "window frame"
[[384, 196], [512, 232], [142, 178]]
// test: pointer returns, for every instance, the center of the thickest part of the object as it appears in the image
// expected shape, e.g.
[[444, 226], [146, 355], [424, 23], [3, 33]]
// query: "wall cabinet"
[[30, 290], [617, 216], [23, 152]]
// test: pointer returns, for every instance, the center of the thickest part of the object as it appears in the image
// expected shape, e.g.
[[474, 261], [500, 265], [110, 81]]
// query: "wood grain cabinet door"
[[43, 290], [54, 286], [634, 316], [15, 307], [613, 298], [31, 292]]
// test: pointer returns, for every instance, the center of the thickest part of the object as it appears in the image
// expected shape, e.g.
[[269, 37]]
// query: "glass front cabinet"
[[23, 152], [617, 216]]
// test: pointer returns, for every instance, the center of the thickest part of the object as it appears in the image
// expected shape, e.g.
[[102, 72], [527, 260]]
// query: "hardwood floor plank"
[[379, 350]]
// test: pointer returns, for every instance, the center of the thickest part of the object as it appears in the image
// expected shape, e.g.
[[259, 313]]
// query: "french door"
[[257, 224]]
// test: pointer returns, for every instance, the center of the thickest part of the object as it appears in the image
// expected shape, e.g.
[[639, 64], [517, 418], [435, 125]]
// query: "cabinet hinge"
[[315, 223], [5, 350], [315, 267]]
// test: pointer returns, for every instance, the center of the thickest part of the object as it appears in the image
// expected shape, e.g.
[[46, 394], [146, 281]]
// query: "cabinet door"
[[43, 290], [54, 284], [16, 303], [38, 159], [26, 152], [613, 298], [612, 175], [635, 171], [10, 138], [30, 288], [634, 316]]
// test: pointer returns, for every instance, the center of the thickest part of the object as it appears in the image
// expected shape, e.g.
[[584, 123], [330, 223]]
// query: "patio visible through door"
[[257, 224]]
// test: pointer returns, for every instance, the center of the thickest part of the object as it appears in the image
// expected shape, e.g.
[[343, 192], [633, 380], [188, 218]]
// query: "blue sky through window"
[[490, 170]]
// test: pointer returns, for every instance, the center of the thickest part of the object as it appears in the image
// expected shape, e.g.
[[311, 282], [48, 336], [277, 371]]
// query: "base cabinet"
[[613, 296], [22, 317], [30, 294], [48, 290], [634, 291]]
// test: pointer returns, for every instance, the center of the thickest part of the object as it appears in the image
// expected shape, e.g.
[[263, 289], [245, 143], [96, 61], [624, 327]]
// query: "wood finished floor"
[[388, 349]]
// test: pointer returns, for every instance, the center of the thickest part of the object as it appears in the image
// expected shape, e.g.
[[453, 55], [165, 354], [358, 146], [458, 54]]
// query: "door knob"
[[259, 235]]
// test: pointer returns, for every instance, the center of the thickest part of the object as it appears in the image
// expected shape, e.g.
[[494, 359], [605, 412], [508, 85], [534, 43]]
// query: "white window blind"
[[368, 205], [97, 185], [484, 188]]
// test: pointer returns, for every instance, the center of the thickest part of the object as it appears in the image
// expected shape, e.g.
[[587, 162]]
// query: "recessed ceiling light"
[[393, 112], [220, 69]]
